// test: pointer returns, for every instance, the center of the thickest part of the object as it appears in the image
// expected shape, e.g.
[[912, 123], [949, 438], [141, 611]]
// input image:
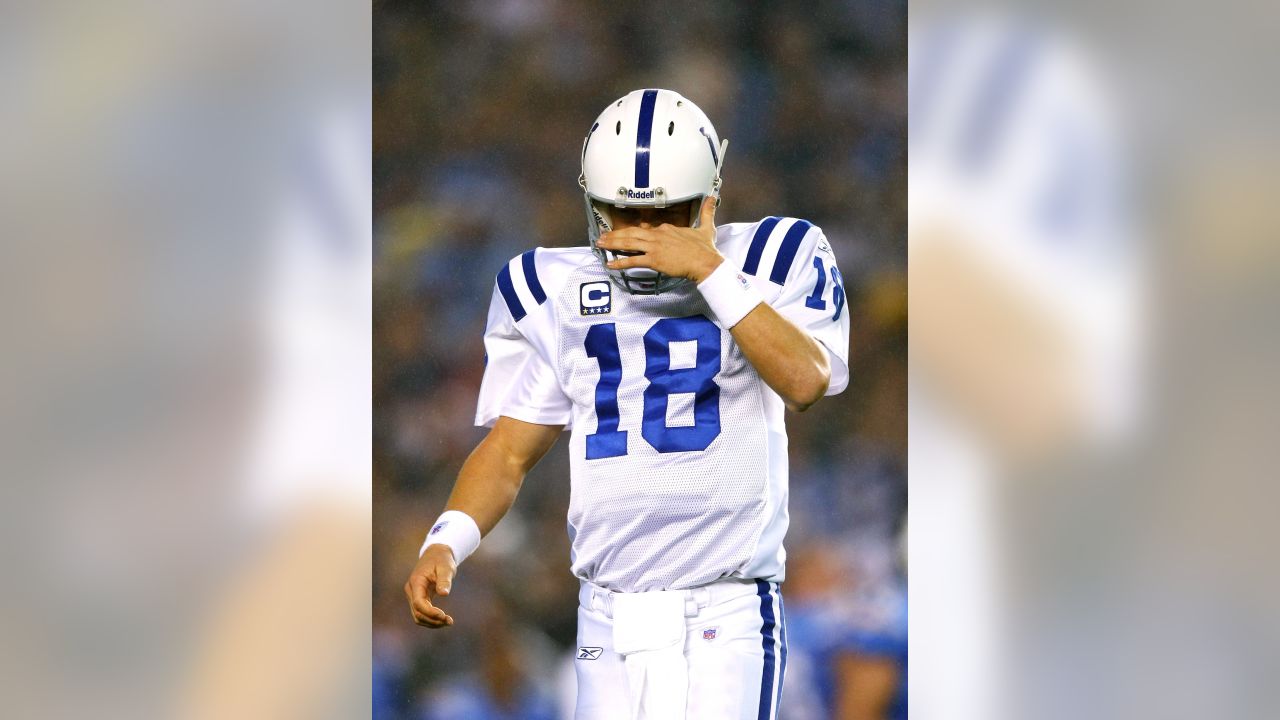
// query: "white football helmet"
[[650, 148]]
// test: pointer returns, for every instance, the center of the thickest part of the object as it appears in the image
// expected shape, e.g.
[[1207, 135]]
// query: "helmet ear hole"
[[671, 127], [617, 129]]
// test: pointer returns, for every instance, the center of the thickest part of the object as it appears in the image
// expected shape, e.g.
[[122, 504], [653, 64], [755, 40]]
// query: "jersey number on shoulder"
[[815, 300], [602, 344]]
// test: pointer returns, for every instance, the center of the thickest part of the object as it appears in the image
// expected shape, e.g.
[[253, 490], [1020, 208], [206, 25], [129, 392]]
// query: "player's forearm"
[[791, 362], [491, 476], [486, 487]]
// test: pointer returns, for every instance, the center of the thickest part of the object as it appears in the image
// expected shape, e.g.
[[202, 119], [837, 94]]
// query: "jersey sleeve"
[[812, 294], [519, 381]]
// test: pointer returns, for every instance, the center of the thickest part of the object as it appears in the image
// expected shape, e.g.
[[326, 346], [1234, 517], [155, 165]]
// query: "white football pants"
[[718, 652]]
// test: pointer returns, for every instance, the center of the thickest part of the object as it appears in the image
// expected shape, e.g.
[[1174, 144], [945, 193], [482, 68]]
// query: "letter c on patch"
[[595, 297]]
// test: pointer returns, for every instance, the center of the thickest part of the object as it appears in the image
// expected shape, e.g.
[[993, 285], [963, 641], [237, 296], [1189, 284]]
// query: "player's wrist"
[[706, 266], [455, 530], [730, 294]]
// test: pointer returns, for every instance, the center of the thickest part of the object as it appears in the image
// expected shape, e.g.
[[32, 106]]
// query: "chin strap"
[[716, 183]]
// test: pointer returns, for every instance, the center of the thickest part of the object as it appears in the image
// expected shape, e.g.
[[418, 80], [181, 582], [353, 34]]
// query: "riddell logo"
[[641, 194]]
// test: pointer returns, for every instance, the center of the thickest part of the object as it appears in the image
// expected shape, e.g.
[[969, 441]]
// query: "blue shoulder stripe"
[[531, 276], [752, 264], [787, 252], [508, 291]]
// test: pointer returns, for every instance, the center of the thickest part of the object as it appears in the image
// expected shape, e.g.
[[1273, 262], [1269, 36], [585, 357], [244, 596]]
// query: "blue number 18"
[[602, 344]]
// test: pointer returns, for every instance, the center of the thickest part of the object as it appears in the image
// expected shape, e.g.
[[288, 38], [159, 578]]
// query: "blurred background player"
[[848, 634]]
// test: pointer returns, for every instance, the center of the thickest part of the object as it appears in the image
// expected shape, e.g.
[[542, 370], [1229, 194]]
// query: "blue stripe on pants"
[[782, 629], [769, 643]]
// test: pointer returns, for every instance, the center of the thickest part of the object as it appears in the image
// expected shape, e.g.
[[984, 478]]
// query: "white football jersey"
[[678, 451]]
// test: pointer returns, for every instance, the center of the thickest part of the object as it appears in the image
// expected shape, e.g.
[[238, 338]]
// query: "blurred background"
[[185, 391], [1090, 422], [186, 380], [479, 114]]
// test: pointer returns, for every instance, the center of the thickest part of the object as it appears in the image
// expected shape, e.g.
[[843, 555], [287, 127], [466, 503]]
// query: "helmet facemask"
[[638, 281]]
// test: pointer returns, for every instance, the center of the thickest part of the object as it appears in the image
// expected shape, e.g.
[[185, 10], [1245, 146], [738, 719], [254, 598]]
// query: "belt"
[[595, 597]]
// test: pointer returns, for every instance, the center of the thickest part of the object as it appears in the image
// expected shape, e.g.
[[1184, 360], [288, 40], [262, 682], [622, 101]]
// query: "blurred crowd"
[[479, 114]]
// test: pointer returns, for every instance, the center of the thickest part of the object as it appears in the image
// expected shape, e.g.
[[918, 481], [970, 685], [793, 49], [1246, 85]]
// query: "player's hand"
[[672, 250], [432, 576]]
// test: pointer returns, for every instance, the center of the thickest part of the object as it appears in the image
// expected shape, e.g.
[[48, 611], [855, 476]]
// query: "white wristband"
[[456, 530], [730, 294]]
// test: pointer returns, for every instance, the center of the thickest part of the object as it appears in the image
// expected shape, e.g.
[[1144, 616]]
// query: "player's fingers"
[[634, 234], [633, 244], [420, 604], [708, 218], [623, 263], [430, 614], [436, 618], [419, 585], [438, 615], [424, 608], [420, 590], [444, 580], [413, 588]]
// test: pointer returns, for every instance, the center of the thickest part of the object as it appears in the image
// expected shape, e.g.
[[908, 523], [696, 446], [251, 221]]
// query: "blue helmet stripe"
[[715, 157], [768, 643], [644, 133], [761, 238], [531, 276], [585, 143], [787, 253], [508, 291]]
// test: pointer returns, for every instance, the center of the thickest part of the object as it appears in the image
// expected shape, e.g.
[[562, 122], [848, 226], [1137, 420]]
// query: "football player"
[[670, 347]]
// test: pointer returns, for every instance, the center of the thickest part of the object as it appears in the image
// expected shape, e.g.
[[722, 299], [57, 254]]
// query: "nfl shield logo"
[[709, 634]]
